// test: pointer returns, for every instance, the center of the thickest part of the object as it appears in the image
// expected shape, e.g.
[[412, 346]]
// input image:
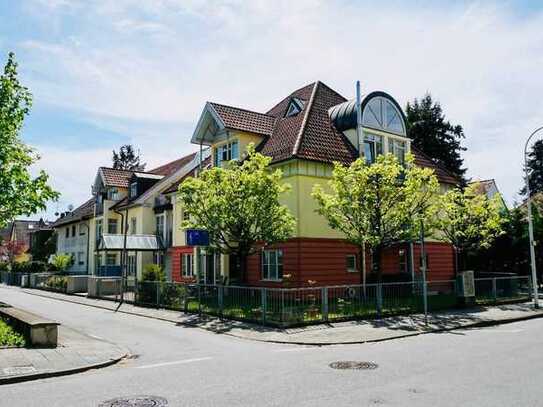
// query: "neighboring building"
[[23, 231], [490, 189], [73, 236], [305, 133]]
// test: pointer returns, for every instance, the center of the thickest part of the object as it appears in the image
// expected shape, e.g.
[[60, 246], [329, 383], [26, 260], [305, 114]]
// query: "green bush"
[[61, 262], [8, 337], [153, 272], [57, 283], [4, 266]]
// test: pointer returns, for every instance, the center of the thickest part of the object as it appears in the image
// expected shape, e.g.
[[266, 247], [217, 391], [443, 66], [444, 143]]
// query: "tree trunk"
[[377, 262], [243, 268], [361, 264]]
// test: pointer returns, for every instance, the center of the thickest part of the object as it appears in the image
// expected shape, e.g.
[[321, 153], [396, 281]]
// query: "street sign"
[[197, 237]]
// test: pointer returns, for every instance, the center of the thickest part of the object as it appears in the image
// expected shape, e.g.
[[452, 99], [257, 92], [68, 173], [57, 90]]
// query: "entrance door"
[[209, 269]]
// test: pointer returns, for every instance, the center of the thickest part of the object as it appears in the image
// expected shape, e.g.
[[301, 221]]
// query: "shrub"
[[153, 272], [62, 262], [8, 337], [4, 266], [20, 267], [57, 283]]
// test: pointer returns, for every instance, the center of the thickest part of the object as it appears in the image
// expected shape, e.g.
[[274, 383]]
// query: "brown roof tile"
[[244, 120], [443, 175], [84, 211], [171, 167], [116, 178]]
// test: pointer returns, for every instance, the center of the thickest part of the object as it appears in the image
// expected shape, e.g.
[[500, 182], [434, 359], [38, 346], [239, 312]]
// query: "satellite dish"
[[70, 207]]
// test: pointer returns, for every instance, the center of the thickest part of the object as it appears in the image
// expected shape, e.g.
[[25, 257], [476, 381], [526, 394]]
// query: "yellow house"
[[305, 133]]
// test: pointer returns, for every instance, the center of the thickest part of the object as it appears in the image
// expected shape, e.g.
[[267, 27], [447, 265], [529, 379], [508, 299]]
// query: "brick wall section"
[[175, 253]]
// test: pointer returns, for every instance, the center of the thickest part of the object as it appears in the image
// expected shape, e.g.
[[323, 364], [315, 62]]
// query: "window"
[[98, 229], [373, 146], [111, 259], [67, 232], [272, 265], [81, 258], [113, 194], [133, 189], [160, 225], [397, 148], [158, 258], [402, 260], [186, 265], [226, 152], [351, 263], [73, 230], [133, 224], [295, 107], [82, 229], [112, 226]]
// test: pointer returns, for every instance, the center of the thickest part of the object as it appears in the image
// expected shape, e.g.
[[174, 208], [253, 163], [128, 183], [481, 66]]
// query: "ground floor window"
[[402, 254], [186, 265], [81, 258], [132, 264], [158, 258], [272, 265], [351, 263], [111, 259]]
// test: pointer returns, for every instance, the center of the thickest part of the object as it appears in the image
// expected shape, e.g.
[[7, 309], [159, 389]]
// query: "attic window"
[[295, 106]]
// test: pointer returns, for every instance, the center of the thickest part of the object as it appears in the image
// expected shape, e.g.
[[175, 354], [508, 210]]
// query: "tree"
[[238, 206], [12, 249], [469, 220], [378, 204], [20, 193], [435, 136], [535, 169], [127, 159]]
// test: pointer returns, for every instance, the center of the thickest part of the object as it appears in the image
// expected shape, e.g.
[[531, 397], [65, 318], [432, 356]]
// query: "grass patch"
[[8, 337]]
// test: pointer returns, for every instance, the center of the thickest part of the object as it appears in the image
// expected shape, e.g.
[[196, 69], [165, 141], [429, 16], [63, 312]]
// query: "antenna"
[[70, 207]]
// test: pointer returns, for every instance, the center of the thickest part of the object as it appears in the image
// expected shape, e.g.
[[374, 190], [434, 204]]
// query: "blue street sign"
[[197, 237]]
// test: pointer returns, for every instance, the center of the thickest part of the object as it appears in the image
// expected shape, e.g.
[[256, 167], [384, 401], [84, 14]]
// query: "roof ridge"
[[244, 109], [334, 91], [306, 118], [290, 95], [171, 162]]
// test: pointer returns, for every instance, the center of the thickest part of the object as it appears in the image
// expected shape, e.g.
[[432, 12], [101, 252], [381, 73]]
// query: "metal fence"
[[286, 307]]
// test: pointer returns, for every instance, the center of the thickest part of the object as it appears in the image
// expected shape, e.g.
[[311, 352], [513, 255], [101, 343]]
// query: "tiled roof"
[[244, 120], [443, 175], [174, 186], [84, 211], [116, 178], [171, 167]]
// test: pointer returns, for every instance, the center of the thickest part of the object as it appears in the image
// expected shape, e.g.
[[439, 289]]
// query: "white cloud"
[[482, 62]]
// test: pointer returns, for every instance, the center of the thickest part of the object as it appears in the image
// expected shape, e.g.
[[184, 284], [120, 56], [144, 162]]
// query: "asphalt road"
[[498, 366]]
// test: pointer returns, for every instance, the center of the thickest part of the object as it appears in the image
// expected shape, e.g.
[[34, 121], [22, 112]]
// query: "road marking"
[[96, 337], [296, 349], [178, 362]]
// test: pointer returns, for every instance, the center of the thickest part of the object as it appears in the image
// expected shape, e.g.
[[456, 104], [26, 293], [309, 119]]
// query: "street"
[[495, 366]]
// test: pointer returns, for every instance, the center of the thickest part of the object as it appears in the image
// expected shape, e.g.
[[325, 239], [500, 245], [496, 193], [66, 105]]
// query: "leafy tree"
[[20, 193], [62, 262], [535, 169], [238, 206], [44, 244], [127, 159], [12, 250], [435, 136], [469, 220], [378, 204]]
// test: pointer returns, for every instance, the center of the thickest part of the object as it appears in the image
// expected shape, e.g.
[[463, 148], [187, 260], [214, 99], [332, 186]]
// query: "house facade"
[[304, 134]]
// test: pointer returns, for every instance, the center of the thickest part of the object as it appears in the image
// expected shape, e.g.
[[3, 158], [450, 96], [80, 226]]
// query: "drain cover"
[[137, 401], [342, 365]]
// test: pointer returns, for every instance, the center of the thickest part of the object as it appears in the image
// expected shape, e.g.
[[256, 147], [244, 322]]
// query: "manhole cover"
[[137, 401], [342, 365]]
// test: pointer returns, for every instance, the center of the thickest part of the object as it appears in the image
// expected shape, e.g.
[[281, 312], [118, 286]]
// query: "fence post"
[[494, 290], [379, 300], [263, 300], [199, 300], [324, 303], [282, 310], [221, 300]]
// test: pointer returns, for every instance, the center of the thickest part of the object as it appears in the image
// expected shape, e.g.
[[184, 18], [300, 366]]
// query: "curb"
[[57, 373], [406, 335]]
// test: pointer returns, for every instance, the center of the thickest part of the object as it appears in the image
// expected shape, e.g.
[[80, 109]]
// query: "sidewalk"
[[326, 334], [75, 353]]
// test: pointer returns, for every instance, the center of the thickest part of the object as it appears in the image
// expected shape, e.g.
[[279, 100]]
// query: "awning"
[[133, 243]]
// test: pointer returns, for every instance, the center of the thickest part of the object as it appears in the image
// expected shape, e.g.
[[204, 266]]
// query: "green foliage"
[[153, 272], [44, 244], [238, 205], [435, 136], [30, 267], [127, 159], [4, 266], [62, 262], [21, 193], [469, 220], [535, 169], [8, 336], [378, 204], [57, 283]]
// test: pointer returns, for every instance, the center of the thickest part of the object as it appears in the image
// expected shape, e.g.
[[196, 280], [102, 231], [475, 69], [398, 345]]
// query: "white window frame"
[[223, 152], [187, 265], [161, 216], [133, 189], [110, 222], [266, 264], [133, 225], [351, 269]]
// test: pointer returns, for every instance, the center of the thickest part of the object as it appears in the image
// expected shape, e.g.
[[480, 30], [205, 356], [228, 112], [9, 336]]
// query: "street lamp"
[[530, 223]]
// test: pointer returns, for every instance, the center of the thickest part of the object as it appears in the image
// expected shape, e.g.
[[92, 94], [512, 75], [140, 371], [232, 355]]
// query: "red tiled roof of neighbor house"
[[116, 178], [245, 120], [84, 211], [443, 175], [171, 167]]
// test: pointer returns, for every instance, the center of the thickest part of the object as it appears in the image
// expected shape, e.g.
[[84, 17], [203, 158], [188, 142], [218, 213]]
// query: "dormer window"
[[113, 194], [295, 106], [226, 152], [133, 189]]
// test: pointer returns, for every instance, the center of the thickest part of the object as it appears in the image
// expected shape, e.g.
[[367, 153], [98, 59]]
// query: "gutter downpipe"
[[360, 142]]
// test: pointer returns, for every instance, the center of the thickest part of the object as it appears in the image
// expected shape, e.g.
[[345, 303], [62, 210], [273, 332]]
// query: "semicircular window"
[[380, 113]]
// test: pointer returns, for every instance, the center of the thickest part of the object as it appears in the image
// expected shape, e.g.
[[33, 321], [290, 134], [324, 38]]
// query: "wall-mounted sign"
[[197, 237]]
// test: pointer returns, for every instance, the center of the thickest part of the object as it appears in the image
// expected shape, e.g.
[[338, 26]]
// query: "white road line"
[[178, 362], [96, 337]]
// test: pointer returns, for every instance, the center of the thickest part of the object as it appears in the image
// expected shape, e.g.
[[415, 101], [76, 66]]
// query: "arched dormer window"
[[380, 113]]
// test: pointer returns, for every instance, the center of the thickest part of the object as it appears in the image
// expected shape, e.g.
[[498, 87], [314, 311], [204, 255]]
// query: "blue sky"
[[104, 73]]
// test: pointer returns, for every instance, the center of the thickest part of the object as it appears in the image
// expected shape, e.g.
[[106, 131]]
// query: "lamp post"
[[530, 223]]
